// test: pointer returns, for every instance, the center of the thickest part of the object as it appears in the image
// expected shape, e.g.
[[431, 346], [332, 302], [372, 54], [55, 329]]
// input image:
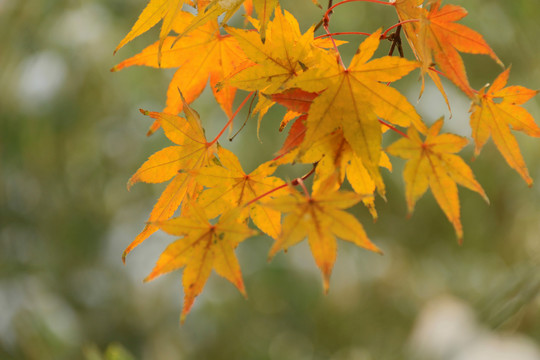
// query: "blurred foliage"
[[71, 135], [113, 352]]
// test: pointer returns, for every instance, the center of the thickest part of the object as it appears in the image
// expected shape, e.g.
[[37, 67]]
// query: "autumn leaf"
[[336, 159], [410, 13], [201, 55], [284, 54], [321, 218], [432, 163], [264, 9], [248, 6], [295, 137], [297, 101], [230, 187], [211, 12], [440, 39], [354, 99], [191, 152], [332, 153], [495, 111], [155, 11], [204, 246]]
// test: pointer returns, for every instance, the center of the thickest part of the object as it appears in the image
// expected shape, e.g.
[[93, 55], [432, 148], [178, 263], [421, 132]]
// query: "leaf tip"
[[127, 251], [270, 256], [326, 283], [242, 290]]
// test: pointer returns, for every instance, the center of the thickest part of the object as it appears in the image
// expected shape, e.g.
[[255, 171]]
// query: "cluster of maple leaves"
[[339, 114]]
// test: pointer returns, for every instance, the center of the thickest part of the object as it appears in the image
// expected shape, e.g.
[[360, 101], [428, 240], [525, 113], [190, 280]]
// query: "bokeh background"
[[71, 136]]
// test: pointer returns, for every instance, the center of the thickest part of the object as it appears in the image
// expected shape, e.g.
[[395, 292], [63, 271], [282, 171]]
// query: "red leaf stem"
[[232, 118]]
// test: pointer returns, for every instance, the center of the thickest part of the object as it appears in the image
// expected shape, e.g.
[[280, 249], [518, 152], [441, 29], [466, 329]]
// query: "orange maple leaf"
[[297, 102], [204, 246], [440, 39], [192, 152], [321, 218], [410, 12], [432, 163], [494, 111], [201, 55], [230, 187]]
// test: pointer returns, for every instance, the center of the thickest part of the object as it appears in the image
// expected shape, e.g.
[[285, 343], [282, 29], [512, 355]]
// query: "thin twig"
[[295, 182]]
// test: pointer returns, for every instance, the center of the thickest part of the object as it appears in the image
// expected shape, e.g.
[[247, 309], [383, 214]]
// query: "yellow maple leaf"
[[336, 158], [230, 187], [204, 246], [264, 9], [321, 218], [354, 99], [495, 111], [192, 152], [283, 55], [150, 16], [432, 163], [211, 12]]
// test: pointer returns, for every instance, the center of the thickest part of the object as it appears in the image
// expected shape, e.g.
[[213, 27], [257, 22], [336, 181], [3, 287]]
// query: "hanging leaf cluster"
[[338, 115]]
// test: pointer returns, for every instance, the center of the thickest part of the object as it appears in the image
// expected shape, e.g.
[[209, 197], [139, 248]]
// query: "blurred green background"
[[71, 136]]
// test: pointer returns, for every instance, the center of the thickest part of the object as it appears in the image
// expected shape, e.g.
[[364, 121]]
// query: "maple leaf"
[[440, 39], [411, 10], [321, 218], [432, 164], [150, 16], [284, 54], [192, 152], [204, 246], [332, 153], [201, 55], [248, 6], [354, 98], [297, 101], [494, 111], [231, 187], [264, 9], [336, 159], [295, 137], [211, 12]]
